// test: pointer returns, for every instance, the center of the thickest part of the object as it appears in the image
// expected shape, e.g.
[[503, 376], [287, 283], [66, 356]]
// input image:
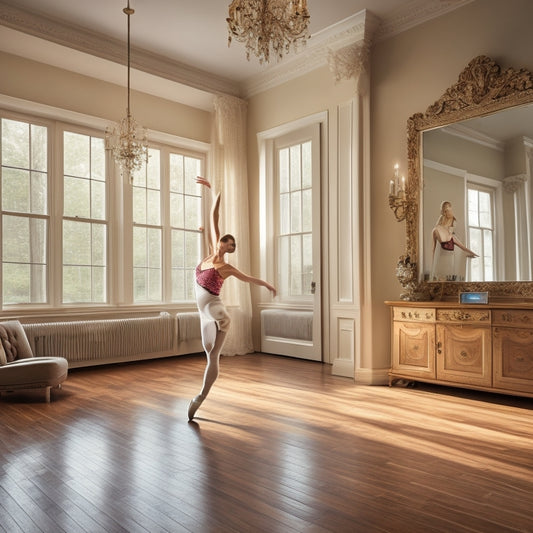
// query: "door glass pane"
[[295, 265], [296, 212], [295, 167], [481, 232], [307, 174]]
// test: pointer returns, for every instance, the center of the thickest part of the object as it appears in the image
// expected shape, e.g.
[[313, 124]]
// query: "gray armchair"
[[19, 369]]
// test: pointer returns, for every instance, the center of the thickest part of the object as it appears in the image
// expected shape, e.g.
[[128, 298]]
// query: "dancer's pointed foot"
[[194, 405]]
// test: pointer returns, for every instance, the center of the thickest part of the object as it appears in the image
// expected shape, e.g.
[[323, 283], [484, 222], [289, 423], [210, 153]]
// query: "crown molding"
[[104, 47], [414, 13], [468, 134], [347, 32], [363, 26]]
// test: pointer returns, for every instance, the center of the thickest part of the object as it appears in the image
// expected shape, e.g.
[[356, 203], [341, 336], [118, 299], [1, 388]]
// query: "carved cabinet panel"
[[414, 348], [513, 358], [464, 354], [487, 347]]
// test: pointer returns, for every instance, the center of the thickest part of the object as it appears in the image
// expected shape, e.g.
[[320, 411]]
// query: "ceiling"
[[191, 35]]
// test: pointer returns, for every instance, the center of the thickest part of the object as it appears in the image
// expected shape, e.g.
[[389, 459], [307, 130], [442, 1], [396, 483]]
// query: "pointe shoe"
[[194, 405]]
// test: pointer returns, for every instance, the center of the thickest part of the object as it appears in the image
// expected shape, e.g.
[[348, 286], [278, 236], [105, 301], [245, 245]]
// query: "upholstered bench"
[[19, 369]]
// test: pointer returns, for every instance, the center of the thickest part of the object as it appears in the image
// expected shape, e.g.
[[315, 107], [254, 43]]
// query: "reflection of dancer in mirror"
[[215, 321], [446, 266]]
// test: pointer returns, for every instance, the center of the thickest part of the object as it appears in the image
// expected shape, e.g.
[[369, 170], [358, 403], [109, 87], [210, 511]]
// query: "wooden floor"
[[279, 446]]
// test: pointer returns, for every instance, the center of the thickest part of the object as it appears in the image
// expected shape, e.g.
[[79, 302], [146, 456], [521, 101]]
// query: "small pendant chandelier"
[[267, 26], [127, 141]]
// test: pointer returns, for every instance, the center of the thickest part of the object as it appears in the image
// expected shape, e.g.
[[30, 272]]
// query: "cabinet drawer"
[[418, 314], [457, 316], [464, 354], [413, 351], [513, 358], [512, 317]]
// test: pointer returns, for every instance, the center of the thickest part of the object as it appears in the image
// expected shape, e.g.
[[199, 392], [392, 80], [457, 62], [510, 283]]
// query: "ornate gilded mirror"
[[484, 94]]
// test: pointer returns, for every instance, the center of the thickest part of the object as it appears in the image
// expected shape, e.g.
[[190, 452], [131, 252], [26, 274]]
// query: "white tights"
[[215, 322]]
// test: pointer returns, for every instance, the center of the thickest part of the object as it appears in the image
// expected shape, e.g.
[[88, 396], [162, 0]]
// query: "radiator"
[[287, 324], [101, 341], [188, 326]]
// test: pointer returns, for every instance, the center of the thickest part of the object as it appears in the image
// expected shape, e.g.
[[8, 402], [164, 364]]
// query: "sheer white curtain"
[[229, 176]]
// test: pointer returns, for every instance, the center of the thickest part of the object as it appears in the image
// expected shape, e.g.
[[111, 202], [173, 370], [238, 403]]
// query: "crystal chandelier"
[[127, 141], [267, 26]]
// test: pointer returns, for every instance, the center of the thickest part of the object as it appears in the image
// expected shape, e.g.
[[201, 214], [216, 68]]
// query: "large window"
[[481, 232], [167, 219], [24, 192], [85, 226], [147, 231], [66, 226], [185, 223]]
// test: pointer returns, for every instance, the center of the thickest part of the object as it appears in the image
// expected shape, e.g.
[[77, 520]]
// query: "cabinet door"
[[464, 354], [513, 359], [413, 353]]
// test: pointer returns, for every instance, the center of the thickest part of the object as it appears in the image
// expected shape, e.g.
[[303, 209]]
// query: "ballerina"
[[444, 242], [215, 320]]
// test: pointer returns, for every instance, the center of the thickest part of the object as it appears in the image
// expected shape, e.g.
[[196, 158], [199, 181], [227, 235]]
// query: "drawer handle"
[[439, 346], [463, 354]]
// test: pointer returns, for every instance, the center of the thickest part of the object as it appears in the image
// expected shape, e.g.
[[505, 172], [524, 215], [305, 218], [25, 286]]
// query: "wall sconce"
[[397, 199]]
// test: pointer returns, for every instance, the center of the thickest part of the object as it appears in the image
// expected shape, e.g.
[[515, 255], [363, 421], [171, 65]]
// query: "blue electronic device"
[[474, 297]]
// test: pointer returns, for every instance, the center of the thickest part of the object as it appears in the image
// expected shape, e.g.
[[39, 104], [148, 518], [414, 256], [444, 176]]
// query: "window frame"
[[495, 188], [119, 288]]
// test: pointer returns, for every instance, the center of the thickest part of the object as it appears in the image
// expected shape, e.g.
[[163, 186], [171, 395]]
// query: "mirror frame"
[[483, 88]]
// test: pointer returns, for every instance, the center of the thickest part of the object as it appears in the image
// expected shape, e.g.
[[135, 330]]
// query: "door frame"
[[267, 175]]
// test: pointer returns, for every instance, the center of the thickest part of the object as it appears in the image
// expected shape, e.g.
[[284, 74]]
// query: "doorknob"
[[313, 287]]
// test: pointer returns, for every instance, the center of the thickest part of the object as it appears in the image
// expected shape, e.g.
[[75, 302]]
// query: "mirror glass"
[[482, 167]]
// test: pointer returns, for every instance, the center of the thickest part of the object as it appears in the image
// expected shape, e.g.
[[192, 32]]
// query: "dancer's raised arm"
[[214, 230]]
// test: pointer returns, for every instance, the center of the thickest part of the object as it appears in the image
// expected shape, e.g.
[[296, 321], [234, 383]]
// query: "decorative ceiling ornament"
[[350, 61], [127, 141], [512, 183], [268, 26]]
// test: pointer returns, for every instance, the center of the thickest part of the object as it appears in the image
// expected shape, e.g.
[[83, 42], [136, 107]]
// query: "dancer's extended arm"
[[214, 231]]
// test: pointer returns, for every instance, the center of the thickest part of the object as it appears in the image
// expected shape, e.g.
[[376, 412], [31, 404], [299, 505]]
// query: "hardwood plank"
[[280, 445]]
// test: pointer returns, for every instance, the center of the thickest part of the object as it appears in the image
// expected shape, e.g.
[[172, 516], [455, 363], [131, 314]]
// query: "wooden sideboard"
[[485, 347]]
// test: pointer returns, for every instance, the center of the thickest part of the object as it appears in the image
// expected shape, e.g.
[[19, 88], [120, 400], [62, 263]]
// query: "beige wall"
[[312, 93], [409, 72], [44, 84]]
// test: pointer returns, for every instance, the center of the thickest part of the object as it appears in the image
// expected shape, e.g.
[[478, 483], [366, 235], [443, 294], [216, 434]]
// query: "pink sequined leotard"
[[210, 279]]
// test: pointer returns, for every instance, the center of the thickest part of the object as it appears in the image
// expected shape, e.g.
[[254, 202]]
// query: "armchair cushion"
[[33, 373], [3, 358], [14, 341]]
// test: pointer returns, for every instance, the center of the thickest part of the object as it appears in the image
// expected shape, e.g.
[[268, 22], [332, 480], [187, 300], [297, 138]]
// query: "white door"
[[292, 326]]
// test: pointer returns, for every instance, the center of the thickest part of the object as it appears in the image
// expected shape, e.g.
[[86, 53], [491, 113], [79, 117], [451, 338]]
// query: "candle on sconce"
[[396, 179], [391, 187]]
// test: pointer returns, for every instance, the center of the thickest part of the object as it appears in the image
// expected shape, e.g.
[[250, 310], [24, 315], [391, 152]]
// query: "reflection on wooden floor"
[[280, 445]]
